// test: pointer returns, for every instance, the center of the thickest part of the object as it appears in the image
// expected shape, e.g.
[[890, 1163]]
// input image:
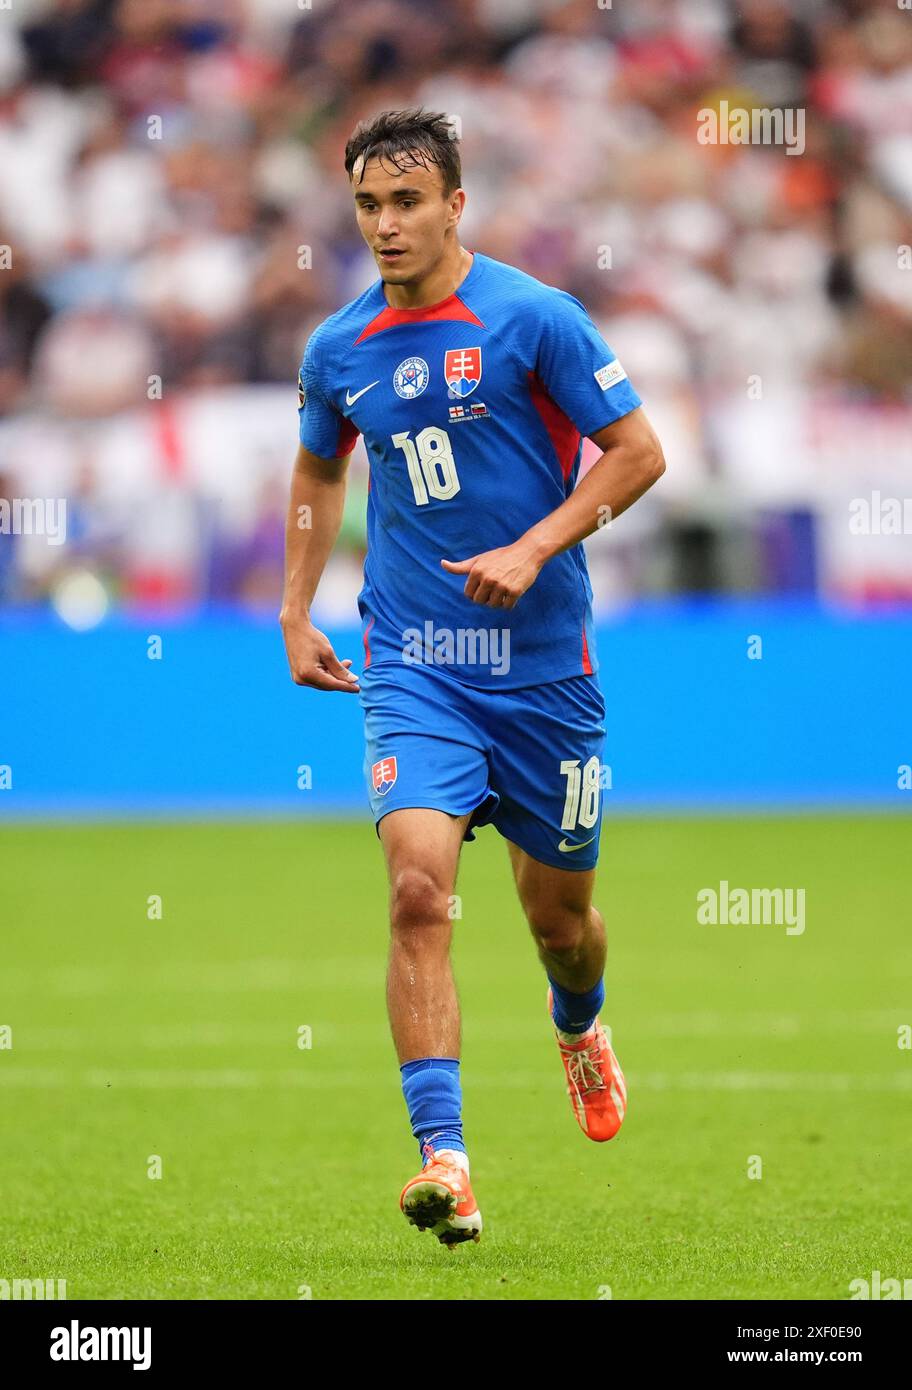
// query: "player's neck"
[[444, 280]]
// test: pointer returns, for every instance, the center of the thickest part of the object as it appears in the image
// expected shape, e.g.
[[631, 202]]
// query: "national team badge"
[[411, 378], [383, 775], [462, 370], [302, 394]]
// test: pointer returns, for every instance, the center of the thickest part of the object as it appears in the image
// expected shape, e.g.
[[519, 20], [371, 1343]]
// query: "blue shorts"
[[528, 762]]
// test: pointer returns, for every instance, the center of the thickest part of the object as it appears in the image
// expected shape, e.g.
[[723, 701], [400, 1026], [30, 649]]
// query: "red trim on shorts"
[[367, 650], [587, 664]]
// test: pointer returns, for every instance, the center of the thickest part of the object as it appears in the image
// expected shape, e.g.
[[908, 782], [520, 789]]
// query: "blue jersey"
[[473, 412]]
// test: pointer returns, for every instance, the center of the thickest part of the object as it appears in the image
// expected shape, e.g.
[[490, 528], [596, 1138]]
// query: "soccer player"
[[472, 384]]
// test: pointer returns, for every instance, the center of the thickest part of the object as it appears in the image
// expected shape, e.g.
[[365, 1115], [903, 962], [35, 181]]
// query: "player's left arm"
[[578, 369], [631, 461]]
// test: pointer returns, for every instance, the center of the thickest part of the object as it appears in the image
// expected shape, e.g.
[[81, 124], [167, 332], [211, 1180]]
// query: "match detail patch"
[[610, 374], [477, 410]]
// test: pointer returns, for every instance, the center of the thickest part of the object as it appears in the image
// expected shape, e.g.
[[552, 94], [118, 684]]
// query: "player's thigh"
[[421, 847], [555, 901], [546, 767]]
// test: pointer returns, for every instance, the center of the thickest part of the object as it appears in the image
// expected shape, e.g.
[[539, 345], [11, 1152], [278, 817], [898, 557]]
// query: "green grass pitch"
[[281, 1165]]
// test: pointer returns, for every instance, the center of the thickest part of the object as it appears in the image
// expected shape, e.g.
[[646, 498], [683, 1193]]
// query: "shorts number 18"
[[582, 801]]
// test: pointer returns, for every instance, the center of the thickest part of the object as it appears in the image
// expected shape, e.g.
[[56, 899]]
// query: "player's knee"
[[416, 899], [558, 930]]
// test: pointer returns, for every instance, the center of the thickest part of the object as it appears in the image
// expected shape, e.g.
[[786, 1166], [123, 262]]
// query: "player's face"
[[404, 217]]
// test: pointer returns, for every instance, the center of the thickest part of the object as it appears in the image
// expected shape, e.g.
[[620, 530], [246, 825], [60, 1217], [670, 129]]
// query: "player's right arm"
[[314, 518]]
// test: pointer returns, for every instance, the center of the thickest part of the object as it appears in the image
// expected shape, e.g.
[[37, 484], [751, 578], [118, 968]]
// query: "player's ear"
[[457, 203]]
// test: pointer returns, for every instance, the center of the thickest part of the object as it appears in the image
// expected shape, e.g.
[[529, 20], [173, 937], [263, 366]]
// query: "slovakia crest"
[[411, 378], [462, 370], [383, 775]]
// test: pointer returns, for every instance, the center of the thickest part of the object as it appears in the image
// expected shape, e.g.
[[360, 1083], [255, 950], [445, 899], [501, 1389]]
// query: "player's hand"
[[311, 658], [498, 578]]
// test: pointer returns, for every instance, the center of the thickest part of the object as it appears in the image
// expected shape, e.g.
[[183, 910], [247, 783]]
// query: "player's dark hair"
[[406, 138]]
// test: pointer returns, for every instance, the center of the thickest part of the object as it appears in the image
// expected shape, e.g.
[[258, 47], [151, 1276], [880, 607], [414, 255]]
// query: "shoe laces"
[[584, 1067]]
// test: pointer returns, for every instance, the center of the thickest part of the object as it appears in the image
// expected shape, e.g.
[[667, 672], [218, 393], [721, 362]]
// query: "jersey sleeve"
[[578, 368], [321, 428]]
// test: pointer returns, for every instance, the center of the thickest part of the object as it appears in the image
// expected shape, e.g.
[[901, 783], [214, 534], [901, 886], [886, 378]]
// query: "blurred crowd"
[[175, 219]]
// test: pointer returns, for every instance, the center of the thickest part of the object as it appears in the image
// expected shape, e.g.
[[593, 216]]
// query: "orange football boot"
[[440, 1199], [595, 1082]]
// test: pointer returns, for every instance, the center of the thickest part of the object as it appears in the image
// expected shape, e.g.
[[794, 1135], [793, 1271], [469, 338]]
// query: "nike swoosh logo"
[[568, 849], [350, 399]]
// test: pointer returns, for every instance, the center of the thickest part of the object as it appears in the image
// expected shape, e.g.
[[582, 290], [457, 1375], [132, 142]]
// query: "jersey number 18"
[[431, 465]]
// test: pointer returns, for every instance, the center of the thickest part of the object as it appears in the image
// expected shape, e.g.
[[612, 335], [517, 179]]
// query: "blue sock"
[[434, 1099], [575, 1013]]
